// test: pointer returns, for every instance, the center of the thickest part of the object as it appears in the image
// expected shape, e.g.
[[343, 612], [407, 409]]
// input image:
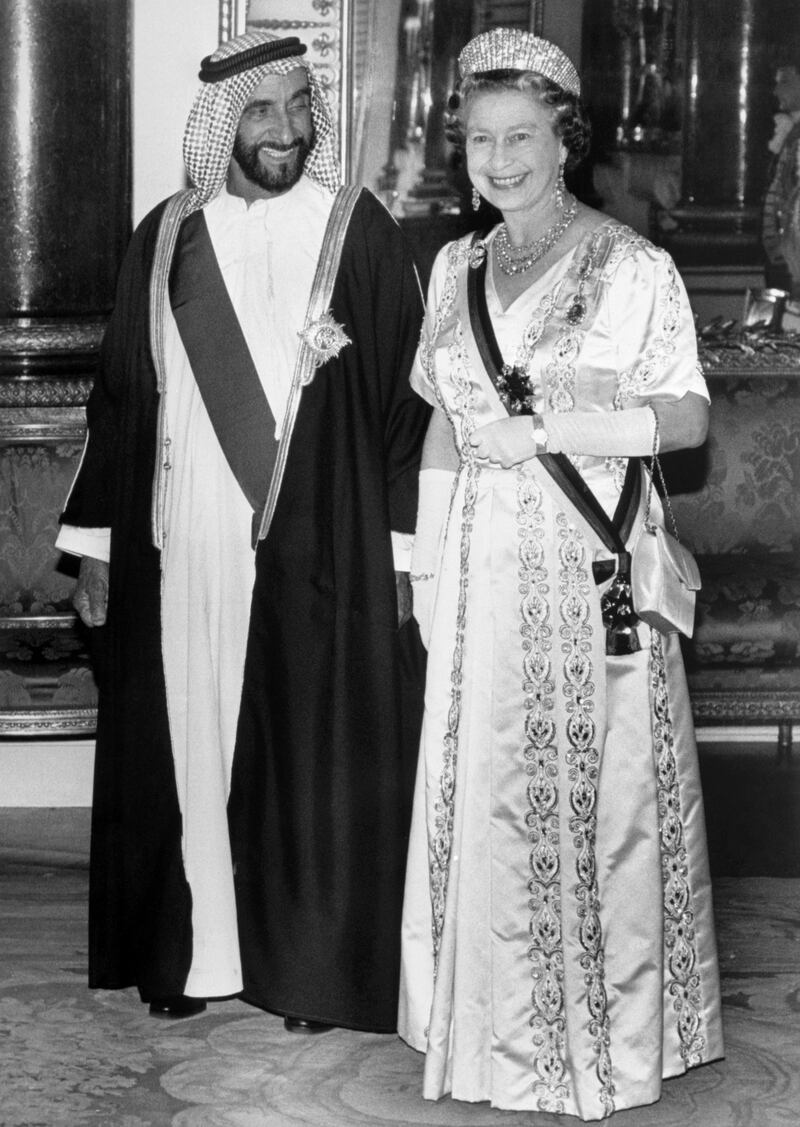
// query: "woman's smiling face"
[[512, 151]]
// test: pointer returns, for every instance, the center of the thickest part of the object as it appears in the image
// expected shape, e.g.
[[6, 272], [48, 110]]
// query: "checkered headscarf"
[[214, 119]]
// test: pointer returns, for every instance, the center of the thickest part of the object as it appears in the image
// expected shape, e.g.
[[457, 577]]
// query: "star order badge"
[[324, 338]]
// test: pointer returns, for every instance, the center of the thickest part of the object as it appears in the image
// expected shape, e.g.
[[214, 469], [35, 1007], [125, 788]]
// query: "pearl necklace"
[[516, 260]]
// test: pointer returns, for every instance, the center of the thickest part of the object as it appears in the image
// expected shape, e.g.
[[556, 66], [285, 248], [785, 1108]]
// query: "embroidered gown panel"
[[558, 938]]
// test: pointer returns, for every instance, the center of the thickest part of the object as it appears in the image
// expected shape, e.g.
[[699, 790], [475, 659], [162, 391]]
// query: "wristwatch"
[[539, 433]]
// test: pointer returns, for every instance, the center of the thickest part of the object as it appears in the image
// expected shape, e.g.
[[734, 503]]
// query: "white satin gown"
[[558, 936]]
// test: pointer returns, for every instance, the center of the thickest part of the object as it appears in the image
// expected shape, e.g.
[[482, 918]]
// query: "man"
[[781, 218], [252, 440]]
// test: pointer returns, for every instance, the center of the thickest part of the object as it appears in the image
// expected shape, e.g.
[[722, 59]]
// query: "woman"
[[558, 936]]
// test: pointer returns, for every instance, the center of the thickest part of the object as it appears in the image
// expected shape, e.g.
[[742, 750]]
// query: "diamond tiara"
[[510, 48]]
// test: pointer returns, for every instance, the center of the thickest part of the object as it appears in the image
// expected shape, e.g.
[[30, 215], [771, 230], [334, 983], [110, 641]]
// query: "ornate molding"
[[726, 348], [45, 392], [23, 434], [289, 25], [745, 707], [31, 336], [738, 362], [49, 722], [61, 620]]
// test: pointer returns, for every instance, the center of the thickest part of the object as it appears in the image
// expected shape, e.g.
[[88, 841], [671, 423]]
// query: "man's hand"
[[91, 594], [404, 599], [505, 442]]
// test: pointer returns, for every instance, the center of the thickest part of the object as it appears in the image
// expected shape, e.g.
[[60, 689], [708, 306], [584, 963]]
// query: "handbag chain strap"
[[655, 464]]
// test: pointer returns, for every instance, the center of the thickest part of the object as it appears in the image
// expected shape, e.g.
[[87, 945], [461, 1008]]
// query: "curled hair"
[[570, 122]]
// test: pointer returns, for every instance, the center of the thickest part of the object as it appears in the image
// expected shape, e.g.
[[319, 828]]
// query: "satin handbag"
[[665, 580], [665, 577]]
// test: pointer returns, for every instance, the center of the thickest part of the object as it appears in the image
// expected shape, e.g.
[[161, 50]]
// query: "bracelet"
[[421, 577], [540, 435]]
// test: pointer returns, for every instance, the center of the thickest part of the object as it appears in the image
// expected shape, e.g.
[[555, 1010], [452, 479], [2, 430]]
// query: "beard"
[[278, 179]]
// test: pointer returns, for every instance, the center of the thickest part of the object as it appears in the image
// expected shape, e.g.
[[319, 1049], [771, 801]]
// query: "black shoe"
[[300, 1025], [176, 1005]]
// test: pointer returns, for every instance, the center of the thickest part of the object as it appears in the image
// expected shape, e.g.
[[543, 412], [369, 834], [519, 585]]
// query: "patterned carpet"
[[77, 1058]]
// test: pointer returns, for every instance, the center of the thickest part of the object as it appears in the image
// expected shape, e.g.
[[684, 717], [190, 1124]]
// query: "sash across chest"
[[221, 361]]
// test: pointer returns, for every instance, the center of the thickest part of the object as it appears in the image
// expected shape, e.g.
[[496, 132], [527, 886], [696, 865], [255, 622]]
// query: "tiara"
[[510, 48]]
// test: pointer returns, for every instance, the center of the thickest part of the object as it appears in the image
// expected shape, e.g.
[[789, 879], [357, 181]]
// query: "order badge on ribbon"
[[325, 339]]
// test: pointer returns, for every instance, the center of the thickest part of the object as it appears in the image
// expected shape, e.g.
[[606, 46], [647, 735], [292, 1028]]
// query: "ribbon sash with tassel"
[[619, 617]]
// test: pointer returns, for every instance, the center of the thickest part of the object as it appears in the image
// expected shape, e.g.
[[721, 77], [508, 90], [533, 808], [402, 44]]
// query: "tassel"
[[619, 617]]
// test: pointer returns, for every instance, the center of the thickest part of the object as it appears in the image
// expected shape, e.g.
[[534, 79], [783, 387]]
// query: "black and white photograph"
[[399, 563]]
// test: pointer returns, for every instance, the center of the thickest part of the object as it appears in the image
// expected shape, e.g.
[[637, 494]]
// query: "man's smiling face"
[[274, 137]]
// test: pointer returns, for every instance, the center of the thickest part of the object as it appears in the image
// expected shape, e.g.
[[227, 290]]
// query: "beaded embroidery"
[[637, 380], [679, 934], [582, 759], [545, 950], [440, 841]]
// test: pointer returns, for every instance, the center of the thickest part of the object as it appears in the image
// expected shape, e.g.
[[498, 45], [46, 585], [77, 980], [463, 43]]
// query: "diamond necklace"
[[516, 260]]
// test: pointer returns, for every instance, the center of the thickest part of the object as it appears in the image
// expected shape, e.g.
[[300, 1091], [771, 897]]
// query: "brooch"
[[476, 254], [576, 311], [324, 338]]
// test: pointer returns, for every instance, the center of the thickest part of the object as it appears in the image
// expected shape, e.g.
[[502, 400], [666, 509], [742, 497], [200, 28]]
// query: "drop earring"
[[560, 188], [476, 199]]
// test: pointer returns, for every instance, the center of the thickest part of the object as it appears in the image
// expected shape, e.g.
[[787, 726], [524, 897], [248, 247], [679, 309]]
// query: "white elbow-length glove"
[[435, 487], [601, 433]]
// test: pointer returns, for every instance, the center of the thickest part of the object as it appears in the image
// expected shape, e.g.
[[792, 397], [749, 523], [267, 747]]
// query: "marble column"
[[64, 177], [732, 50]]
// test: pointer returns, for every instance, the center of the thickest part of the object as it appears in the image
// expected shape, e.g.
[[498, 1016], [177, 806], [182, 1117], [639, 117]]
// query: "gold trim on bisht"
[[510, 48], [178, 207], [308, 358]]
